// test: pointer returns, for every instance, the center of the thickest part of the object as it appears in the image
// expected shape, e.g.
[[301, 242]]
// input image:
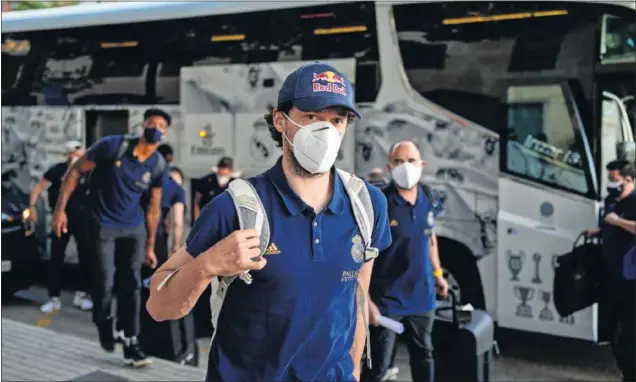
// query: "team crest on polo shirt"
[[357, 249], [146, 177]]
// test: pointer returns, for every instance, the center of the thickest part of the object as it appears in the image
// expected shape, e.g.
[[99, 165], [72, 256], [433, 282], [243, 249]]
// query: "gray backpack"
[[251, 214]]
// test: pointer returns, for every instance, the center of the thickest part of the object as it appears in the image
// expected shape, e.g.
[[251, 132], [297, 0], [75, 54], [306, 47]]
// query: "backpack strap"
[[121, 151], [251, 214], [362, 207], [123, 147], [159, 168], [428, 192]]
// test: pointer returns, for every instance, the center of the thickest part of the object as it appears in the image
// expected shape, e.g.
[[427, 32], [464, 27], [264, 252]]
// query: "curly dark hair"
[[285, 107], [277, 136]]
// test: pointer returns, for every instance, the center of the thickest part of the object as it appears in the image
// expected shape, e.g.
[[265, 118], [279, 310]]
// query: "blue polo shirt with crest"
[[296, 321], [117, 186], [402, 282]]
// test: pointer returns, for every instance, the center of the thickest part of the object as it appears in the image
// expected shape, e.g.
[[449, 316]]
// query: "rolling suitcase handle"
[[458, 316]]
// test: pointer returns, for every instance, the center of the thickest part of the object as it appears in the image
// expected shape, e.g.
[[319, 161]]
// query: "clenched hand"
[[237, 253]]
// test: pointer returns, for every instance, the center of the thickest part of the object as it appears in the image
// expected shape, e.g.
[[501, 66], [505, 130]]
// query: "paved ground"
[[524, 357]]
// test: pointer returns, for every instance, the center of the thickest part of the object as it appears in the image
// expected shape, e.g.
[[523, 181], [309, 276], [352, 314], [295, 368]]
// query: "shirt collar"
[[294, 204], [397, 198]]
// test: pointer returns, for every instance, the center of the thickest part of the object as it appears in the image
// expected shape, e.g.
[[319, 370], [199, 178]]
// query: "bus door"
[[100, 123], [546, 198]]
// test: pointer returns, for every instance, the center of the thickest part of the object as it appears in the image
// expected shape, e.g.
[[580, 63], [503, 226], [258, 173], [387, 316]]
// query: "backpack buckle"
[[370, 253]]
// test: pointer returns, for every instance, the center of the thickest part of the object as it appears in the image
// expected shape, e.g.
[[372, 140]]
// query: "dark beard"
[[295, 166]]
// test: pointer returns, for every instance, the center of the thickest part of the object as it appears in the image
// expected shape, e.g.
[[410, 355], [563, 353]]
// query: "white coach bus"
[[516, 107]]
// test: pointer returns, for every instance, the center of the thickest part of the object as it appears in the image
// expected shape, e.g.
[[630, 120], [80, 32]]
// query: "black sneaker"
[[105, 331], [133, 355]]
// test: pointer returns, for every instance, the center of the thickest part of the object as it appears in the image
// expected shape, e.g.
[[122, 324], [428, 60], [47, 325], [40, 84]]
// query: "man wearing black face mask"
[[618, 232], [123, 169]]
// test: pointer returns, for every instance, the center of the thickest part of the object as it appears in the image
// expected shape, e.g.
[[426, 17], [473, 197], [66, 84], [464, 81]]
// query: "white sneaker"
[[391, 374], [82, 301], [53, 305]]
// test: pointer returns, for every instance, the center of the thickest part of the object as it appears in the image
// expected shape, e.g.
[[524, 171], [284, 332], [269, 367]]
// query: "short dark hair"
[[225, 162], [285, 107], [177, 170], [625, 168], [165, 150], [159, 113]]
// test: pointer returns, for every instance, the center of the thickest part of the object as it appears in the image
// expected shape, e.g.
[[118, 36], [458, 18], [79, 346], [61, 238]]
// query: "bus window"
[[618, 40], [458, 54], [323, 32], [16, 52], [542, 143]]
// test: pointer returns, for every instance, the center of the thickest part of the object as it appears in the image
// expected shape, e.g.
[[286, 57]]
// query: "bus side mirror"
[[626, 151]]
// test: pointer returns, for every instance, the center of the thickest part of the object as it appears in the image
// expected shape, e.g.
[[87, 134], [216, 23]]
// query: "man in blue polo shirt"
[[407, 274], [121, 240], [298, 319]]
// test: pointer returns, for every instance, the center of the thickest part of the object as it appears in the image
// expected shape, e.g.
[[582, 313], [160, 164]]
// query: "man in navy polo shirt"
[[298, 319], [117, 228], [406, 275]]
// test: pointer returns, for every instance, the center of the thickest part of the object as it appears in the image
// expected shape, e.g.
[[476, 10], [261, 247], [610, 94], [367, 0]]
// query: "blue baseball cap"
[[317, 86]]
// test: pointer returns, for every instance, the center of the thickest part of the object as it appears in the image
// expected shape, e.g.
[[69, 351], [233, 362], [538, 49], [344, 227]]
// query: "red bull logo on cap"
[[329, 82]]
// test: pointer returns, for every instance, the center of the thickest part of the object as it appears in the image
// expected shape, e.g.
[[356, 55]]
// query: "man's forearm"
[[360, 336], [434, 252], [627, 225], [180, 293], [152, 220], [35, 194], [178, 234], [69, 183]]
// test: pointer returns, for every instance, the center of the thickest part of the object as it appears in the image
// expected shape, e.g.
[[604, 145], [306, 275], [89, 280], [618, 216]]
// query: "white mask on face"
[[406, 175], [222, 179], [315, 145]]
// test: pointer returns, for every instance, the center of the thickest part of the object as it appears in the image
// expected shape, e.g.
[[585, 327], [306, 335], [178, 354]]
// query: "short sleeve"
[[105, 148], [381, 238], [161, 179], [217, 220], [53, 173], [438, 207], [179, 196]]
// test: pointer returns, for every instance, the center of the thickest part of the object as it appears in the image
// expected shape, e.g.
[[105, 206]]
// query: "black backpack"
[[121, 151]]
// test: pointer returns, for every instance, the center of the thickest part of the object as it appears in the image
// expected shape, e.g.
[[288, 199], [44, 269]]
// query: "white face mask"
[[315, 145], [406, 175], [222, 179]]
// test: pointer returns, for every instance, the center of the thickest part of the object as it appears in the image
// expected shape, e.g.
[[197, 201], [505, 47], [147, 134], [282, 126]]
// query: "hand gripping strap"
[[251, 214], [362, 209]]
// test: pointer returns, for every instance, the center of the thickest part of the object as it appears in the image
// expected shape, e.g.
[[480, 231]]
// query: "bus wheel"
[[461, 273]]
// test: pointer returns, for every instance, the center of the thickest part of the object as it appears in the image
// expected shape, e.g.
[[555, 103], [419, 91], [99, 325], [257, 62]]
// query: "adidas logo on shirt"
[[272, 250]]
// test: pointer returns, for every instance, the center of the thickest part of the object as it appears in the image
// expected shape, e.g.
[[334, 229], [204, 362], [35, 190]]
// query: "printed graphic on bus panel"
[[462, 163], [224, 107], [33, 139]]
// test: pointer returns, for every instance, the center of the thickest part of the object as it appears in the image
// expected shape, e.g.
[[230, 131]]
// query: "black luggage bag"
[[578, 277], [463, 343], [173, 340]]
